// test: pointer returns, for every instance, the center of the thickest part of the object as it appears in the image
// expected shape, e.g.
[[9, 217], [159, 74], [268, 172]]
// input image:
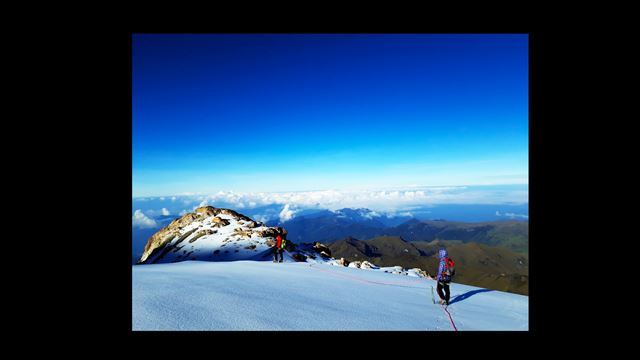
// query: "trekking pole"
[[433, 298]]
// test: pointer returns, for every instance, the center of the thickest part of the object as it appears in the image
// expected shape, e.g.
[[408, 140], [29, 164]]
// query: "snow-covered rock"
[[367, 265], [211, 234]]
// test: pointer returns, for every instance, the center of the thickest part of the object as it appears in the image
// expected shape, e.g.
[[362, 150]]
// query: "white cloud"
[[140, 220], [162, 198], [512, 215], [261, 218], [286, 214], [183, 212], [173, 198], [165, 211]]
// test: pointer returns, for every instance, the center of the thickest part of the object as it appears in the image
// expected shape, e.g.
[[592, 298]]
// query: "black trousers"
[[277, 251], [445, 287]]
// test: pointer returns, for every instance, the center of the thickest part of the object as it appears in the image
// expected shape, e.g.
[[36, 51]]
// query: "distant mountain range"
[[493, 267], [329, 226], [488, 254]]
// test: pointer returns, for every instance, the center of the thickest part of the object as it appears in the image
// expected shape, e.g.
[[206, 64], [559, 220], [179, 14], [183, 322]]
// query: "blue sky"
[[274, 113]]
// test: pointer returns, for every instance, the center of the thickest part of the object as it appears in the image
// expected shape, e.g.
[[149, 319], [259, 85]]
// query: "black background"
[[84, 158]]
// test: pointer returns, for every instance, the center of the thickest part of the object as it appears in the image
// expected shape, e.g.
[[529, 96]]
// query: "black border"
[[113, 296]]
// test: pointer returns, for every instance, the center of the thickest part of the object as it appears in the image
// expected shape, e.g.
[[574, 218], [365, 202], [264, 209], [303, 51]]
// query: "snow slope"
[[261, 295]]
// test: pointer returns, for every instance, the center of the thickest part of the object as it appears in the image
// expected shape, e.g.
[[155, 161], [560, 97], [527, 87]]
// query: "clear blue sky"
[[312, 112]]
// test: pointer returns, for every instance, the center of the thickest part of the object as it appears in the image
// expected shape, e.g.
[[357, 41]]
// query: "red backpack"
[[449, 269]]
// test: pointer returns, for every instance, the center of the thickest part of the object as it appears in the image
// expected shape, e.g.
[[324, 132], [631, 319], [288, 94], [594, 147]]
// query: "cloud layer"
[[284, 206], [381, 200]]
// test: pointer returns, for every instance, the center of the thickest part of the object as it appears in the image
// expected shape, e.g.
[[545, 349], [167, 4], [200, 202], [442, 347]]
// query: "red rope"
[[450, 318], [445, 309]]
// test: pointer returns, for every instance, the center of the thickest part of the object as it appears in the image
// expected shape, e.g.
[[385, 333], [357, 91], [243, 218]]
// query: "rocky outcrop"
[[185, 220], [422, 272], [202, 233], [367, 265], [157, 241], [207, 211], [243, 233], [218, 222], [322, 249], [252, 224], [209, 220], [299, 257]]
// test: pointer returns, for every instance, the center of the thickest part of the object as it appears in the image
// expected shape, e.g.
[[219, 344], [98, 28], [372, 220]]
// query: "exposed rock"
[[207, 211], [268, 232], [184, 236], [202, 233], [321, 248], [343, 262], [251, 224], [299, 257], [355, 264], [367, 265], [156, 242], [241, 232], [185, 220], [422, 273], [271, 232], [218, 222]]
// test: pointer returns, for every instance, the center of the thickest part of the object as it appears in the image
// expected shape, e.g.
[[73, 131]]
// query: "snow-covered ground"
[[261, 295]]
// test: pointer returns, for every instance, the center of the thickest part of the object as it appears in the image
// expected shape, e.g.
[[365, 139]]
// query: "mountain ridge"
[[493, 267]]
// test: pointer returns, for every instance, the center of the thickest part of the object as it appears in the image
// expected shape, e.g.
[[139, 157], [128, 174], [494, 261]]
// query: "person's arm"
[[440, 269]]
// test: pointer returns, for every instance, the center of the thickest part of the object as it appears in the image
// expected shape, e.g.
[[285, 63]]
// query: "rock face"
[[322, 249], [206, 230]]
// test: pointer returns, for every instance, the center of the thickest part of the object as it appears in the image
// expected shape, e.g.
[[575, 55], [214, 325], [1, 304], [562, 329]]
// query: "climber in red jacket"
[[278, 248]]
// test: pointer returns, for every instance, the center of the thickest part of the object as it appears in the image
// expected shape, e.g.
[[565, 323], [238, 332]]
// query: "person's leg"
[[281, 255], [275, 254], [447, 293], [439, 288]]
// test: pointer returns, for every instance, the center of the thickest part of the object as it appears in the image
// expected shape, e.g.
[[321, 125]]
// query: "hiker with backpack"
[[281, 242], [446, 270]]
